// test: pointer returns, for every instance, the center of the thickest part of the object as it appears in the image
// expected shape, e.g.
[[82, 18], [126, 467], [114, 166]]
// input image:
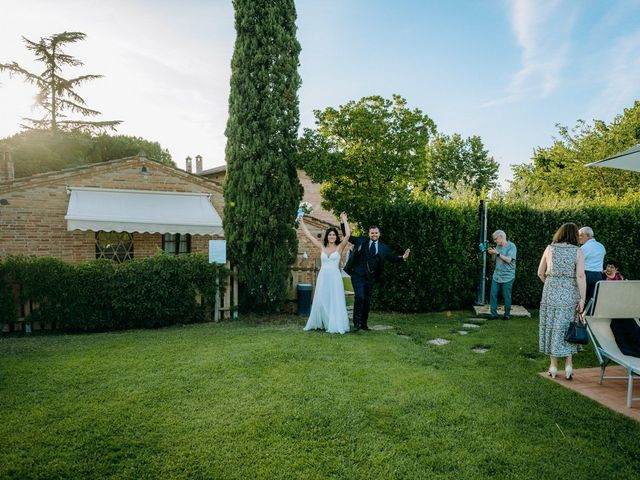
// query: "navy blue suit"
[[364, 267]]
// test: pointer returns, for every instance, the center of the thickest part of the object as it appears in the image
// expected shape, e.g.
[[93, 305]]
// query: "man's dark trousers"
[[591, 279], [362, 289]]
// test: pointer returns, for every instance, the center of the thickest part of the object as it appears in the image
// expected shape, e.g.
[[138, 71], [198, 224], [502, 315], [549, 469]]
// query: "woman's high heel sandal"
[[552, 372], [568, 373]]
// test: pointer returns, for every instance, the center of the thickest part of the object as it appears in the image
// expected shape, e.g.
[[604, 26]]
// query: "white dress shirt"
[[594, 253]]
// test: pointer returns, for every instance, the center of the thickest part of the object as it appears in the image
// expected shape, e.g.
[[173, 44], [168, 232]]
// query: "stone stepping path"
[[380, 327], [480, 350], [533, 356], [470, 324], [477, 321]]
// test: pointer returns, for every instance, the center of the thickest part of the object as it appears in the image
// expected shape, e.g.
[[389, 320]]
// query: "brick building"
[[121, 209], [129, 208]]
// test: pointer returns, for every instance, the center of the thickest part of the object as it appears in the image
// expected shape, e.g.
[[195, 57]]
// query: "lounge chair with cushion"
[[614, 300]]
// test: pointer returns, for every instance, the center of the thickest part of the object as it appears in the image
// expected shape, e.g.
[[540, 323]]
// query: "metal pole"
[[484, 253], [482, 237], [479, 294]]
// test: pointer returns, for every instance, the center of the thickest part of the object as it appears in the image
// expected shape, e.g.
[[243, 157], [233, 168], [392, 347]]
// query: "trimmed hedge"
[[617, 227], [102, 295], [442, 272], [444, 267]]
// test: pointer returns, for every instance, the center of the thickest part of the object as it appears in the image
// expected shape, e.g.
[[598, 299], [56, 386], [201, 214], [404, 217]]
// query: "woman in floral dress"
[[562, 271]]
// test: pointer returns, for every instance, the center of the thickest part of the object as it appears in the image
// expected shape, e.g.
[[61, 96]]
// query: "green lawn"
[[266, 400]]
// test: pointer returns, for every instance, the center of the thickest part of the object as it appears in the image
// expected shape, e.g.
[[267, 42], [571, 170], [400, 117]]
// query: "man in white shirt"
[[594, 253]]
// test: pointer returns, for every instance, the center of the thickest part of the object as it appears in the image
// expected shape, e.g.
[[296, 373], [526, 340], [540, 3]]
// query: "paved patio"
[[612, 393]]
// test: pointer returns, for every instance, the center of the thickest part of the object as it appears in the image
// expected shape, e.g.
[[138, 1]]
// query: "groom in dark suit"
[[364, 266]]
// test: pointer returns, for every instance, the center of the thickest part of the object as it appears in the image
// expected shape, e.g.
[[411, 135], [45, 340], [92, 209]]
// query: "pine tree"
[[57, 95], [262, 190]]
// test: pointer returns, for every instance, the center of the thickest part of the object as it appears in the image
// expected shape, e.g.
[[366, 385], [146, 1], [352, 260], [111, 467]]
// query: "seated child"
[[612, 271]]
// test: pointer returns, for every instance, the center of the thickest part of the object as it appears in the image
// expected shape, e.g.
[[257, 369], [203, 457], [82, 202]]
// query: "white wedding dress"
[[329, 310]]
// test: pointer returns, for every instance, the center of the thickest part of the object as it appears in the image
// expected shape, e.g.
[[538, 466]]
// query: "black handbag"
[[577, 331]]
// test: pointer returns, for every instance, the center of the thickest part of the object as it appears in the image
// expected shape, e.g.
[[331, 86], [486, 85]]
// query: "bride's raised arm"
[[309, 235], [347, 232]]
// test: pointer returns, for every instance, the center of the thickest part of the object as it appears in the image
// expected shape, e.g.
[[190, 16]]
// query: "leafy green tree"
[[452, 161], [559, 170], [37, 151], [366, 153], [262, 191], [56, 94], [111, 147]]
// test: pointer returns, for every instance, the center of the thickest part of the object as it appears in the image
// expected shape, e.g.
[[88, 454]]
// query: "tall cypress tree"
[[262, 190]]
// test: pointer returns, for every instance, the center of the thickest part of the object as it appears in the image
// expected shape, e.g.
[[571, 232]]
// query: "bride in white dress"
[[329, 310]]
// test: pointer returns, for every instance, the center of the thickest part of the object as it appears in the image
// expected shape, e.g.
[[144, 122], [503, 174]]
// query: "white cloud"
[[620, 78], [542, 31]]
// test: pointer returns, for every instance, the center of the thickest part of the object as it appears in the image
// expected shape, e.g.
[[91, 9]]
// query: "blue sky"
[[506, 70]]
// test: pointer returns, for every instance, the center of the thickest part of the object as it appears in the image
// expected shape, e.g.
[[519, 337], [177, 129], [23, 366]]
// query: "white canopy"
[[141, 211], [627, 160]]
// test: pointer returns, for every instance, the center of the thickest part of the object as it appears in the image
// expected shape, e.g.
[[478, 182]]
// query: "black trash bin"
[[304, 299]]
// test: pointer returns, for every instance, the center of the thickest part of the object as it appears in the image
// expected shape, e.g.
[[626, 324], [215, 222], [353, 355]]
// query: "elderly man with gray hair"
[[504, 274], [594, 253]]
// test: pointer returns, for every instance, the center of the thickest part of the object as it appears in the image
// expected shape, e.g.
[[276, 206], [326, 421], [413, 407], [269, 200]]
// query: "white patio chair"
[[614, 300]]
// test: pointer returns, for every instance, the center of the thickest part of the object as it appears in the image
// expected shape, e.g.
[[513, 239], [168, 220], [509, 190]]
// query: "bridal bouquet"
[[305, 208]]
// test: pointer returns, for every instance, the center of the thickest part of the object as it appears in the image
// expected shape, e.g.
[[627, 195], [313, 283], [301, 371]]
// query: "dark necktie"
[[372, 249]]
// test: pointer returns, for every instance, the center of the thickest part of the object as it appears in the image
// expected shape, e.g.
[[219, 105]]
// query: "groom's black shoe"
[[364, 327], [357, 314]]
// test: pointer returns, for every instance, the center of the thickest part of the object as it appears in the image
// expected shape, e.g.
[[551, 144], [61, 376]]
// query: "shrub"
[[443, 265], [101, 295], [8, 307], [442, 273], [443, 270]]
